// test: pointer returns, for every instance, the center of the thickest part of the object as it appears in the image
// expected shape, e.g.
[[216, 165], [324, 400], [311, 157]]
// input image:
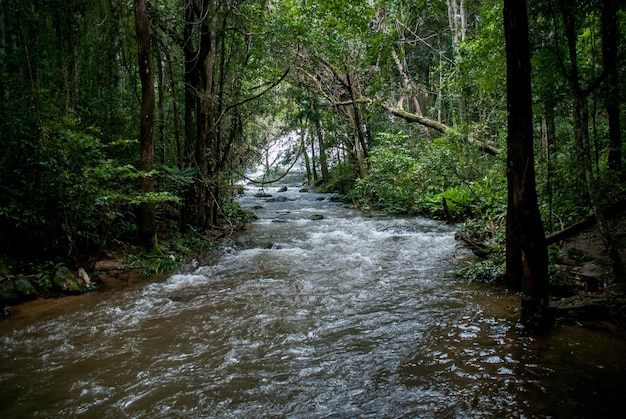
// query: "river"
[[350, 315]]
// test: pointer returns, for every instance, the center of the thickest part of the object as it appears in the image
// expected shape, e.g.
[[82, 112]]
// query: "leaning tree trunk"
[[146, 220], [527, 254]]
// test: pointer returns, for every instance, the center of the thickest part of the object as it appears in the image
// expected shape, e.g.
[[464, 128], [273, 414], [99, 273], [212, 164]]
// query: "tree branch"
[[438, 126]]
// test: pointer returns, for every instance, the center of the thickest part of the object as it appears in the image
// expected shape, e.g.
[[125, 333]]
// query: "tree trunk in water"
[[146, 220], [526, 245]]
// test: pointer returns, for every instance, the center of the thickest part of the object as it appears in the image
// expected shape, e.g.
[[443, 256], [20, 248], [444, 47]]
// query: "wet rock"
[[84, 276], [67, 282], [25, 288], [591, 270], [263, 195], [283, 189], [8, 293], [592, 276], [279, 199], [304, 190], [316, 217]]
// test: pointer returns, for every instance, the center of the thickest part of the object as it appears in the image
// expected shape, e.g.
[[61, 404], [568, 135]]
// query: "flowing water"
[[345, 316]]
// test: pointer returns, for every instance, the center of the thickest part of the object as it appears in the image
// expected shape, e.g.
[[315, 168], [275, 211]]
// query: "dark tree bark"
[[610, 41], [322, 147], [580, 111], [146, 220], [527, 255]]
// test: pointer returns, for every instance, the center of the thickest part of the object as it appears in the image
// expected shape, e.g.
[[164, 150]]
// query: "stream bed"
[[317, 311]]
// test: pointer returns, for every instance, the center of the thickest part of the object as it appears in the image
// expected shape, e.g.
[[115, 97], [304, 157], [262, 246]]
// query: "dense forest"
[[127, 124]]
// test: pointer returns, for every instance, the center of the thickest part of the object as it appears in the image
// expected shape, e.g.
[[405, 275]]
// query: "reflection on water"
[[348, 316]]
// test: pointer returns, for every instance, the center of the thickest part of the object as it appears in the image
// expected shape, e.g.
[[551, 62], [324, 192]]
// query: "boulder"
[[283, 189], [316, 217], [8, 293], [67, 282], [25, 288]]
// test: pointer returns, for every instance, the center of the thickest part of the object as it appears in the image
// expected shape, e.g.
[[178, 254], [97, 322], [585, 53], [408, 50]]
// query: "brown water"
[[349, 316]]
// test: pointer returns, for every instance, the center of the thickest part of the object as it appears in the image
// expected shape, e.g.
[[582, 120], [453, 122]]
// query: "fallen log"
[[609, 212]]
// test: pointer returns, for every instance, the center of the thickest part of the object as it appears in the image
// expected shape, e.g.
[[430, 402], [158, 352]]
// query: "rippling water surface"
[[347, 316]]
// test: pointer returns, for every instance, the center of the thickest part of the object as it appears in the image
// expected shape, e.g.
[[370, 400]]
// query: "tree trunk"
[[3, 91], [358, 125], [172, 79], [610, 41], [549, 135], [580, 112], [322, 147], [526, 244], [146, 220]]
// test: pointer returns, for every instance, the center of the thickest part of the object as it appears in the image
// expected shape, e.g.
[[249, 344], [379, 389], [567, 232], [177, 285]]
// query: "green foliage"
[[392, 181], [149, 266], [489, 270], [429, 178], [482, 199], [68, 194]]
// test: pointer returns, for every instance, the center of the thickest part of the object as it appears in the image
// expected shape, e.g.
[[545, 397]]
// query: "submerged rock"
[[279, 199], [316, 217]]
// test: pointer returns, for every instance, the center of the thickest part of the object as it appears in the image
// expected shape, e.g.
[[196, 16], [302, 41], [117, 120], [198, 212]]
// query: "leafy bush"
[[393, 178], [66, 193], [489, 270]]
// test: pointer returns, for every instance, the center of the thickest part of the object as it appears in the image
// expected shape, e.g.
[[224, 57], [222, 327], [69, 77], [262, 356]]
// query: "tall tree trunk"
[[161, 107], [191, 98], [205, 122], [313, 159], [526, 244], [358, 125], [172, 79], [3, 91], [146, 220], [610, 41], [549, 135], [322, 147], [581, 138]]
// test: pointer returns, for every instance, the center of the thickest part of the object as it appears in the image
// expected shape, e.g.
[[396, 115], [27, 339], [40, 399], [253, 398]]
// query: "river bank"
[[341, 314], [582, 289]]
